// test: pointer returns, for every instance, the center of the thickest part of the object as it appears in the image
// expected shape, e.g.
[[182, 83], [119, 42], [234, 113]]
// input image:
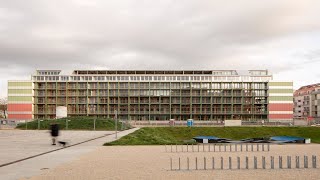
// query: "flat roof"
[[173, 72]]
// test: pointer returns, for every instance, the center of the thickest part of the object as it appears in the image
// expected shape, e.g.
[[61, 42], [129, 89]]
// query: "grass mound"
[[179, 135], [75, 123]]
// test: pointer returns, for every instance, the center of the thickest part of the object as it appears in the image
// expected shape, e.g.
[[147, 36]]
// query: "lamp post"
[[39, 123], [116, 123], [94, 123]]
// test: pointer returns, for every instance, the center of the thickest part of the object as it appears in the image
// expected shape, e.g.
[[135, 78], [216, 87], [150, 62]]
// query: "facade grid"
[[154, 95]]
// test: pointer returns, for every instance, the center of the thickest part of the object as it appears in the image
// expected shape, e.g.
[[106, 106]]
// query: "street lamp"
[[39, 124], [116, 125]]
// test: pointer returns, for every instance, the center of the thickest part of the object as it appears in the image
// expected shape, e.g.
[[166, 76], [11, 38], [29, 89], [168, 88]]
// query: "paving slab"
[[35, 166], [19, 144]]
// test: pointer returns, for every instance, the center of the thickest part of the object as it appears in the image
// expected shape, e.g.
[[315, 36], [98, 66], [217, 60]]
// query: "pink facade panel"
[[20, 107], [281, 107], [280, 116], [19, 116]]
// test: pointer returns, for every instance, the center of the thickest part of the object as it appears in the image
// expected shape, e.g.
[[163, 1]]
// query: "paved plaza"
[[19, 144]]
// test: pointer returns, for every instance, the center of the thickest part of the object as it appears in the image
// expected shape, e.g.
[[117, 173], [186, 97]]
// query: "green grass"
[[178, 135], [74, 123]]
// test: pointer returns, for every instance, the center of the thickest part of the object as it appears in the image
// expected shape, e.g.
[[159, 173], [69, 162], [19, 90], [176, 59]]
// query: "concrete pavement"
[[37, 165]]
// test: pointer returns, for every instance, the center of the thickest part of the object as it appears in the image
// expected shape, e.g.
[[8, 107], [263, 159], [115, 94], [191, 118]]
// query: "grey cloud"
[[151, 34]]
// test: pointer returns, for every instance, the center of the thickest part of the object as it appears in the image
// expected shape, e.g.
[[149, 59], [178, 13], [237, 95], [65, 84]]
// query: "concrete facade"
[[162, 95], [315, 104], [20, 100], [305, 102]]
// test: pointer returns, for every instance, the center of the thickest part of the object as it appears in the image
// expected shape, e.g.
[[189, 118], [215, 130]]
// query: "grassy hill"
[[74, 123], [177, 135]]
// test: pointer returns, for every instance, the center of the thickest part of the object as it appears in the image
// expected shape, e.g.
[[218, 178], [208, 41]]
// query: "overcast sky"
[[281, 36]]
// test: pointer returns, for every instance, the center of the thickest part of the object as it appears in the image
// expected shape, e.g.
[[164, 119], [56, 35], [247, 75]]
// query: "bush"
[[75, 123]]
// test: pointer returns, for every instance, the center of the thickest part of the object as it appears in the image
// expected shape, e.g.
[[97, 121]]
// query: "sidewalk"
[[37, 165]]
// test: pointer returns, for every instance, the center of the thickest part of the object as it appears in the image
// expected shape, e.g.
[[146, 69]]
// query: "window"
[[64, 78]]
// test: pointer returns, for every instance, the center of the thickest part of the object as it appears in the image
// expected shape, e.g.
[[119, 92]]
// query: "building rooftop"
[[174, 72], [305, 90]]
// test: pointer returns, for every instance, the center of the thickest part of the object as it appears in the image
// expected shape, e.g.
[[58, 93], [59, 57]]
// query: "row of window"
[[151, 78], [136, 85], [175, 92]]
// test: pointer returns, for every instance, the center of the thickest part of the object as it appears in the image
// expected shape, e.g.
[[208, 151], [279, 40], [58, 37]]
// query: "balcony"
[[237, 94], [72, 87]]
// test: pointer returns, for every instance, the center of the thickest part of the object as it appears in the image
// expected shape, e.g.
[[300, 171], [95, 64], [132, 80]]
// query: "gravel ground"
[[153, 162]]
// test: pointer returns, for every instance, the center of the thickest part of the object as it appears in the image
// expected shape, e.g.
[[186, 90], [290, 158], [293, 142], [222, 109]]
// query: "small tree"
[[3, 107]]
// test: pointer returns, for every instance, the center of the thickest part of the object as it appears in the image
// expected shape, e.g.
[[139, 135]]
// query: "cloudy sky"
[[281, 36]]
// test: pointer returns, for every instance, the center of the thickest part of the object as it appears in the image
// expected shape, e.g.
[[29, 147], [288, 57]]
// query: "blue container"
[[190, 122]]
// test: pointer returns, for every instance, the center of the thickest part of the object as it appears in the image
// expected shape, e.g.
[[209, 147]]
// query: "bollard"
[[255, 164], [262, 146], [268, 147], [251, 147], [204, 163], [272, 162], [312, 160], [230, 163], [257, 146], [221, 163], [297, 162], [289, 162], [305, 161], [238, 160], [315, 162], [212, 162], [179, 164], [196, 163], [188, 163], [230, 147], [247, 147], [219, 147], [263, 162], [236, 147], [171, 164], [280, 162], [247, 162]]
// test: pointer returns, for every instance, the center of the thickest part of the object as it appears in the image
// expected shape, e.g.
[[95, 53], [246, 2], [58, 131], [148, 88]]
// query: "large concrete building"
[[315, 104], [305, 101], [153, 95]]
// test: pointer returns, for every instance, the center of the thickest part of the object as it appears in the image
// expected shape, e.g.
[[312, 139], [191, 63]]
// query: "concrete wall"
[[232, 123]]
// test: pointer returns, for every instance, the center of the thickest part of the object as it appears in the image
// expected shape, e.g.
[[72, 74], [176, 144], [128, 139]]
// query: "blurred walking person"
[[54, 132]]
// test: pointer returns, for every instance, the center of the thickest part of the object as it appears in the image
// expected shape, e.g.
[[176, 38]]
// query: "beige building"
[[315, 104], [305, 101]]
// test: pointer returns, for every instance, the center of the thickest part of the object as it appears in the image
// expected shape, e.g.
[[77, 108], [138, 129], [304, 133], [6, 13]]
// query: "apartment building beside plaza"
[[307, 101], [153, 95]]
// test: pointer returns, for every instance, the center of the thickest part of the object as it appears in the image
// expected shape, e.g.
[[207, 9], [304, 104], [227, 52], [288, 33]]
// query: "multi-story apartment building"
[[315, 104], [304, 101], [158, 95]]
